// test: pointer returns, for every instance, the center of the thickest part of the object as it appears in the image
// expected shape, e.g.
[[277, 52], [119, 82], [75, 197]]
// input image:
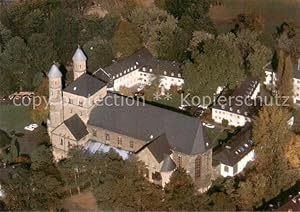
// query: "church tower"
[[79, 63], [55, 98]]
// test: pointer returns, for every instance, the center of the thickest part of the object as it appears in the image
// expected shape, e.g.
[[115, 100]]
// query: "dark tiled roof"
[[159, 147], [142, 121], [85, 85], [292, 205], [143, 58], [234, 151], [168, 164], [140, 57], [239, 101], [103, 76], [76, 127]]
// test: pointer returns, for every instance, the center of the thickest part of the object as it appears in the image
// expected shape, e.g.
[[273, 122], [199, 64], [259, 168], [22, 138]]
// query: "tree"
[[269, 146], [285, 76], [42, 51], [39, 113], [35, 187], [192, 14], [251, 21], [160, 33], [15, 65], [99, 53], [219, 64], [180, 192], [47, 187], [5, 36], [126, 40]]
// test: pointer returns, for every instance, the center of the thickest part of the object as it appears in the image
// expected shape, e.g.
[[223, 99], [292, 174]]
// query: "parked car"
[[34, 125], [208, 125], [29, 128]]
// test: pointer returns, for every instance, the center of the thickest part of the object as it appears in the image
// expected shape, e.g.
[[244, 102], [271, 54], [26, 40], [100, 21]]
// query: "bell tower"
[[79, 63], [55, 98]]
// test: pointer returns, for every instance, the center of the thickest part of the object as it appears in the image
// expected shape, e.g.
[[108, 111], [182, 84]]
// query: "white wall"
[[233, 119], [240, 165]]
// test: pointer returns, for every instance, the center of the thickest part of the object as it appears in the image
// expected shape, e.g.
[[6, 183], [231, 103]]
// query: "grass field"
[[14, 117], [274, 12]]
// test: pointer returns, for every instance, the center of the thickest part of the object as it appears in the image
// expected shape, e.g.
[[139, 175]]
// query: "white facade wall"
[[129, 78], [236, 120], [126, 80], [240, 165]]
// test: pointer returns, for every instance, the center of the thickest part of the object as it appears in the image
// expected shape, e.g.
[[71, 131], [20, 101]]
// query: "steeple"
[[55, 98], [79, 55], [79, 63], [54, 72]]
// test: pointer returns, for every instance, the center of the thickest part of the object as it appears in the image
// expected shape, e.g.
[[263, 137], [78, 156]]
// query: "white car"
[[34, 126], [29, 128], [209, 125]]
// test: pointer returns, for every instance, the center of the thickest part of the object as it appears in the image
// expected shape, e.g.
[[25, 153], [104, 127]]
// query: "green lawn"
[[14, 117], [273, 11], [4, 139]]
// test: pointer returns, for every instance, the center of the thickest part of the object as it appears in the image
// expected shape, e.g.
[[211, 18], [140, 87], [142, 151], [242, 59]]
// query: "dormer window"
[[230, 108], [150, 69], [165, 73], [117, 75], [124, 71], [120, 74], [179, 75], [172, 74], [131, 68], [134, 67]]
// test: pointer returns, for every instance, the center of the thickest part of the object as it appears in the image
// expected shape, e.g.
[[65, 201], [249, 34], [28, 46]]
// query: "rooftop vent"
[[75, 88], [151, 136]]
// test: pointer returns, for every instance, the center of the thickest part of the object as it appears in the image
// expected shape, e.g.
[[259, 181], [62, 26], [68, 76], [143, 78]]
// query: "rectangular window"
[[80, 103], [70, 101], [198, 166], [226, 169], [235, 169], [62, 142], [107, 137], [179, 161], [94, 132], [131, 144], [119, 140]]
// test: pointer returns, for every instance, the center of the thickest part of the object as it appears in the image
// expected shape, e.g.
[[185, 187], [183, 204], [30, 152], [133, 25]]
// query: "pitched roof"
[[143, 58], [168, 164], [159, 147], [79, 55], [54, 72], [76, 127], [234, 151], [85, 86], [240, 101], [143, 121]]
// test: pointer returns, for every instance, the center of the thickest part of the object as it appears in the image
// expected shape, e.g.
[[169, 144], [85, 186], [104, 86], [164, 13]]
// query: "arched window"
[[198, 166]]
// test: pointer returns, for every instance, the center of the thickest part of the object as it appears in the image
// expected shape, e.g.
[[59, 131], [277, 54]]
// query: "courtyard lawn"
[[14, 117], [274, 13], [215, 135]]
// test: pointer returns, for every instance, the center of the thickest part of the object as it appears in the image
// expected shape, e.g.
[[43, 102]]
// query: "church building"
[[87, 113]]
